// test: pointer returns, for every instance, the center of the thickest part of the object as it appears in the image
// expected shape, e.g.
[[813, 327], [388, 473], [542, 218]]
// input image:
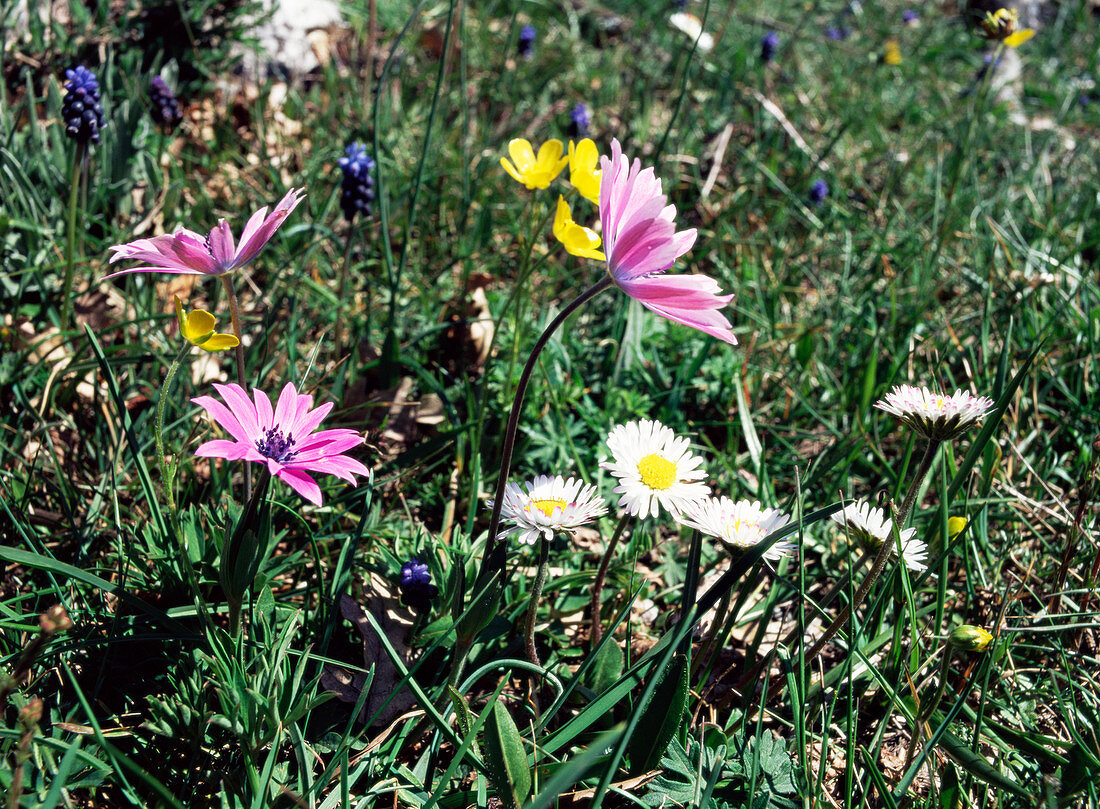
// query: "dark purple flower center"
[[274, 446]]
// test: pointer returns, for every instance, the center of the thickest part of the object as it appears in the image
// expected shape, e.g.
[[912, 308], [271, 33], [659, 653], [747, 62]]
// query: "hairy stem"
[[533, 605], [235, 314], [517, 405], [601, 574]]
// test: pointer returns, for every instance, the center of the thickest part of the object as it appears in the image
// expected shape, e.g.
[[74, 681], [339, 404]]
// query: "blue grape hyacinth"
[[417, 590], [166, 109], [357, 187], [579, 119], [769, 44], [80, 108], [818, 192], [526, 44]]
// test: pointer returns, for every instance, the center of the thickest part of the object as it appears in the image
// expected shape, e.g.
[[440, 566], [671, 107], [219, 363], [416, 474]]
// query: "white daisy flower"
[[547, 505], [935, 416], [870, 527], [654, 466], [693, 27], [739, 525]]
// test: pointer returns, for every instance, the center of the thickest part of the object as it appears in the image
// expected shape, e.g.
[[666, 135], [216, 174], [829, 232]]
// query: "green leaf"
[[505, 757], [464, 717], [661, 717], [607, 667]]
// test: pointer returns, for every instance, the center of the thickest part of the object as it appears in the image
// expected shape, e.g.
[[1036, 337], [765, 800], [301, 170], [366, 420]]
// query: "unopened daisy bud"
[[934, 415], [969, 638], [955, 526], [80, 108]]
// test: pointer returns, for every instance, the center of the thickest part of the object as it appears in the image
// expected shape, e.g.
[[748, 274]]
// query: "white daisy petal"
[[935, 416], [655, 468], [870, 527], [739, 525], [546, 504]]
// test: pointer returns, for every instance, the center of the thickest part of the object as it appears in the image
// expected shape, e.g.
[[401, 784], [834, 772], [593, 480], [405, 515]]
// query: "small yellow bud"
[[969, 638]]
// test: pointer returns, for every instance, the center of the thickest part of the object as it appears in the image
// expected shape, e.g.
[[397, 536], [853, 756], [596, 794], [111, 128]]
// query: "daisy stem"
[[601, 574], [338, 331], [70, 241], [167, 469], [918, 479], [517, 406], [235, 314], [883, 553], [533, 605]]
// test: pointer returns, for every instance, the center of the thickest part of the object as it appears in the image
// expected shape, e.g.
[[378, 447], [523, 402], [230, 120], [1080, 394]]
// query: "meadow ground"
[[892, 198]]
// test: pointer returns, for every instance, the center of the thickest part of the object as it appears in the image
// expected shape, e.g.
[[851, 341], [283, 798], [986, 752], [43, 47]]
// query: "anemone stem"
[[235, 314]]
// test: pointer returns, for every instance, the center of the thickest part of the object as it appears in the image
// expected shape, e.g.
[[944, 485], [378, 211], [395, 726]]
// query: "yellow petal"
[[220, 342], [583, 174], [522, 154], [577, 239], [955, 526], [508, 167], [1019, 38]]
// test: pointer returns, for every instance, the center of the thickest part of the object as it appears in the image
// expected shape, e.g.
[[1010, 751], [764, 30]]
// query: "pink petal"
[[707, 321], [224, 417], [309, 422], [265, 416], [153, 269], [254, 239], [221, 244], [242, 408], [684, 291], [301, 483], [222, 448], [286, 407]]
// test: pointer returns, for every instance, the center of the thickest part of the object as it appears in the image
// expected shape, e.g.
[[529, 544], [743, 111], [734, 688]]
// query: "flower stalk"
[[76, 178], [601, 576], [533, 604], [238, 353]]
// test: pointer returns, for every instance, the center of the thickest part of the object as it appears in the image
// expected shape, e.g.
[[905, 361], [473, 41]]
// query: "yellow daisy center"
[[657, 472], [547, 506], [940, 403]]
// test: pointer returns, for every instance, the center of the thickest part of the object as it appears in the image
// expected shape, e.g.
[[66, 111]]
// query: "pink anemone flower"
[[282, 438], [185, 252], [641, 242]]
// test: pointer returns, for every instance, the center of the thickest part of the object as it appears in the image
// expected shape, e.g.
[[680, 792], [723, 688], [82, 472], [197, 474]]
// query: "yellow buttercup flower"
[[577, 239], [1019, 38], [1004, 25], [197, 328], [584, 171], [892, 54], [534, 172]]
